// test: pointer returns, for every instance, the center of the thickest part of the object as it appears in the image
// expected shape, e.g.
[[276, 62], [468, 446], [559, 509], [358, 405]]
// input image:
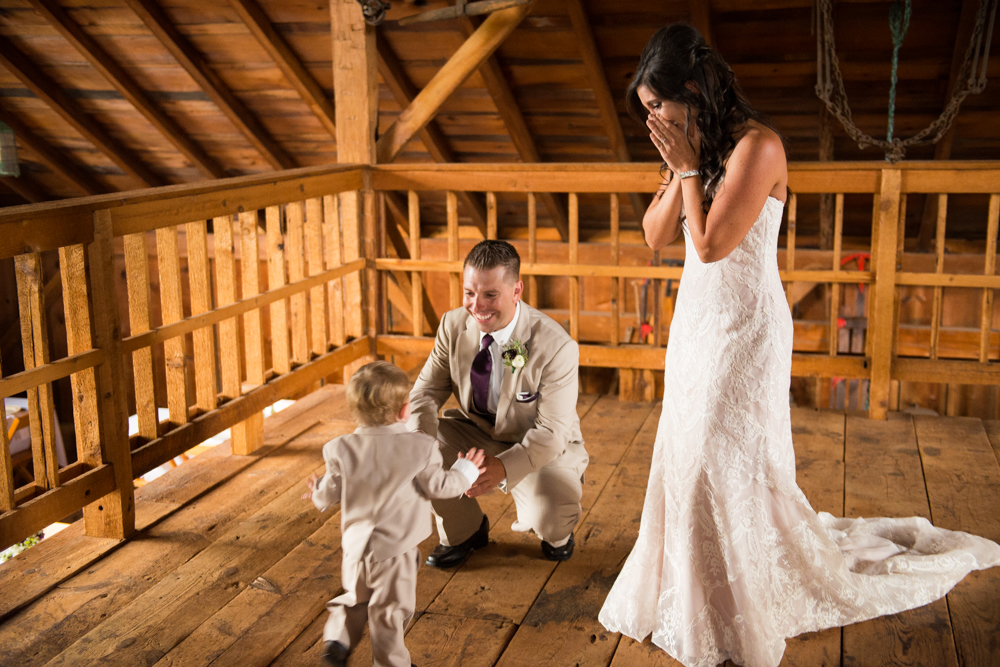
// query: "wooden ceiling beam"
[[260, 25], [126, 85], [594, 66], [701, 18], [31, 192], [194, 64], [46, 89], [503, 97], [54, 159], [473, 52], [404, 91]]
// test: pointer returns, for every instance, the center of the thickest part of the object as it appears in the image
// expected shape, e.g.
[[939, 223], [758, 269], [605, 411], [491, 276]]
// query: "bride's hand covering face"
[[673, 131]]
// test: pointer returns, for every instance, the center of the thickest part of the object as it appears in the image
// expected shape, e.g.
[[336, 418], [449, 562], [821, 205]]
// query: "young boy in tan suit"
[[383, 476]]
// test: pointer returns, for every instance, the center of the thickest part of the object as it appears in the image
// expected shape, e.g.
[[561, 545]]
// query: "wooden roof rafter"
[[52, 158], [26, 189], [46, 89], [701, 18], [594, 66], [437, 145], [194, 64], [126, 85], [260, 25], [513, 119]]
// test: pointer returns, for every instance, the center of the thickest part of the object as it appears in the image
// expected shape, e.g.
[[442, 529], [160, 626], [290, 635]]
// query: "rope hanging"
[[830, 83]]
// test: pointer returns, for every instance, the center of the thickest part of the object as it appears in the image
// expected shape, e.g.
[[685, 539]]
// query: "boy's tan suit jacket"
[[536, 408], [383, 478]]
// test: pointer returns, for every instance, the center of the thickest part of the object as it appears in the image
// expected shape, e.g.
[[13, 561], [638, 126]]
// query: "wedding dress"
[[731, 559]]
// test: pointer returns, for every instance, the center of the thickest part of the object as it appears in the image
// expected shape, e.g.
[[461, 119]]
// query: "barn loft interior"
[[212, 212]]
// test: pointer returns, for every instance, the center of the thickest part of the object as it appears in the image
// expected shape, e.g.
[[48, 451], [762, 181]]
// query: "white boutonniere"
[[515, 355]]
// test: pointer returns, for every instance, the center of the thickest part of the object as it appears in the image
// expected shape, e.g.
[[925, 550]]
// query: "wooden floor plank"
[[163, 616], [610, 426], [83, 602], [447, 641], [818, 437], [631, 653], [992, 427], [884, 478], [562, 627], [963, 486], [260, 622]]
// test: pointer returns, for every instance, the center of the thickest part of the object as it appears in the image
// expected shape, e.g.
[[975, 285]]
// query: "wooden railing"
[[313, 262], [350, 269]]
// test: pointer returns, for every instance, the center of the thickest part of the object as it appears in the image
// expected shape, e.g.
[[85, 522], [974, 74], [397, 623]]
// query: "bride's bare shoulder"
[[760, 140]]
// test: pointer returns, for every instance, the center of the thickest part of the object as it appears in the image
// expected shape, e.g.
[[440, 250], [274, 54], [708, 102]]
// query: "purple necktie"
[[482, 373]]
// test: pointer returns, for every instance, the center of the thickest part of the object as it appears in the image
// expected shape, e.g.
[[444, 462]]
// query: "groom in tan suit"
[[514, 372]]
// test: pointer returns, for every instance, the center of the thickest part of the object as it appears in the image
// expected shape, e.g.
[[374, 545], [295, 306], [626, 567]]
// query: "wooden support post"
[[986, 322], [295, 245], [355, 83], [371, 249], [276, 277], [137, 274], [35, 343], [454, 279], [199, 276], [230, 349], [942, 214], [416, 280], [6, 466], [314, 259], [172, 310], [492, 229], [837, 237], [574, 258], [113, 515], [881, 322], [615, 259], [334, 257], [73, 267], [533, 248], [248, 435]]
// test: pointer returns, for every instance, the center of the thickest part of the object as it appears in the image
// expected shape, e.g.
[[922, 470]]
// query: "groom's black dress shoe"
[[559, 553], [336, 654], [443, 556]]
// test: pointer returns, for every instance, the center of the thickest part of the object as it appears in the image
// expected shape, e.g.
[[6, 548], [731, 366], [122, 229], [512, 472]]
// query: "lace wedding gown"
[[731, 559]]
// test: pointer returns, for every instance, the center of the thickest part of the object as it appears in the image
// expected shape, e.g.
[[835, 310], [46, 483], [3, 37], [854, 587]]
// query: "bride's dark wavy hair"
[[676, 55]]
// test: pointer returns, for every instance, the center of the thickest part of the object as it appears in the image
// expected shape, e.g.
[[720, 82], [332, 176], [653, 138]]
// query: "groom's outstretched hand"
[[491, 474]]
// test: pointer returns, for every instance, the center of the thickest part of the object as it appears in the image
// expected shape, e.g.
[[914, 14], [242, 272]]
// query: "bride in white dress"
[[731, 559]]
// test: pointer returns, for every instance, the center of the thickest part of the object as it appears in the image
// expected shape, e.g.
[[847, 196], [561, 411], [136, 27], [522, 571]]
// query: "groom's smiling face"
[[490, 296]]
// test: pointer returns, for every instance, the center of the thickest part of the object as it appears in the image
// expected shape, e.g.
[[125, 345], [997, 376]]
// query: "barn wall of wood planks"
[[215, 338]]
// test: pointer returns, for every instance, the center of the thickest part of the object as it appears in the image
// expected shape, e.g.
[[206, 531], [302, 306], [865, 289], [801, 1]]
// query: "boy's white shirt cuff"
[[468, 469]]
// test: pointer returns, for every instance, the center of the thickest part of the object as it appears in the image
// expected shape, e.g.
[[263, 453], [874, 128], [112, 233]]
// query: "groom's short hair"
[[488, 255]]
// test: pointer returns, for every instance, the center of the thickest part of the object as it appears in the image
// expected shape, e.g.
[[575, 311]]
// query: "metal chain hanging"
[[830, 83]]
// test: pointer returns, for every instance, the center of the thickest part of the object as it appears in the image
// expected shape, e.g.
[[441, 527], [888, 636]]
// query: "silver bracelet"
[[688, 174]]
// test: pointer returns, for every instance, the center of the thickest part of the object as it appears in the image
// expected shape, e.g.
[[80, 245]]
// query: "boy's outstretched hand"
[[476, 457], [311, 483]]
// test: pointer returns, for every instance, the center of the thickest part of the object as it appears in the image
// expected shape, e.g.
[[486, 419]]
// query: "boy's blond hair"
[[377, 392]]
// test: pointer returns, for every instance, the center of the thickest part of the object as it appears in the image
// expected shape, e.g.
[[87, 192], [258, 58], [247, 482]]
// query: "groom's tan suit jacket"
[[536, 407]]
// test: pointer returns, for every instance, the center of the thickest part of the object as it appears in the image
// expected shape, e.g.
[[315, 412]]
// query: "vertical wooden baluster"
[[491, 215], [790, 244], [989, 270], [656, 306], [113, 515], [230, 350], [574, 259], [248, 435], [276, 279], [172, 309], [372, 295], [838, 234], [350, 226], [533, 248], [6, 466], [942, 214], [615, 303], [199, 276], [317, 295], [900, 239], [72, 265], [416, 280], [885, 293], [137, 274], [34, 337], [334, 257], [296, 271], [454, 279], [873, 262]]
